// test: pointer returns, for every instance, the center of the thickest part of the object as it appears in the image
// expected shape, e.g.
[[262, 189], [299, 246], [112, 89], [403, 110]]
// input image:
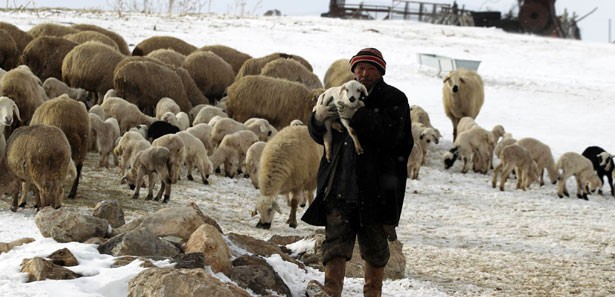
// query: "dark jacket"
[[384, 130]]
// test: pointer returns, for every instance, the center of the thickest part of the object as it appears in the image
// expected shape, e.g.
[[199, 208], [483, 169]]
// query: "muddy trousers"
[[335, 270], [373, 281]]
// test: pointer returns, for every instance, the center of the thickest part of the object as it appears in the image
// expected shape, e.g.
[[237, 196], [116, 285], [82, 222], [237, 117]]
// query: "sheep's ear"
[[364, 91], [446, 79], [276, 207], [463, 81], [16, 111], [254, 212], [342, 89]]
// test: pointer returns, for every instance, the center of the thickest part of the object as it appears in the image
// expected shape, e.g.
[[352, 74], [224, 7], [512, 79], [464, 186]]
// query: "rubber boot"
[[373, 281], [335, 270]]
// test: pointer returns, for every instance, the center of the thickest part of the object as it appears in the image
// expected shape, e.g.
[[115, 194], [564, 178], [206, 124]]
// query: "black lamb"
[[160, 128], [594, 154]]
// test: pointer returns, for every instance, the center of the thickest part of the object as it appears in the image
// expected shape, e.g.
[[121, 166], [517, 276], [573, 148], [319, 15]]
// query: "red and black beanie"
[[369, 55]]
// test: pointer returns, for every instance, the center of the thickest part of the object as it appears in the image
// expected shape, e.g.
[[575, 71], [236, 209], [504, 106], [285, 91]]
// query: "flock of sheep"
[[169, 106]]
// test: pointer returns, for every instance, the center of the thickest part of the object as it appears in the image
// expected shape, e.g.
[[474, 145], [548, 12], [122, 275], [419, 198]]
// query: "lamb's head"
[[8, 108], [453, 80], [351, 92], [606, 161], [429, 135], [450, 157], [594, 183], [266, 206]]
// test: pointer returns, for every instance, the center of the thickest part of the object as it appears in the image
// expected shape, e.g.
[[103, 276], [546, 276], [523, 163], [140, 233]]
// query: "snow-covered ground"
[[460, 236]]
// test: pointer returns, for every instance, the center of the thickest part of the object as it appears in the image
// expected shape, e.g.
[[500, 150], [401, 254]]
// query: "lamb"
[[118, 39], [252, 163], [207, 112], [44, 55], [170, 118], [183, 120], [541, 154], [254, 66], [506, 140], [54, 87], [232, 151], [202, 131], [292, 70], [127, 114], [230, 55], [415, 161], [195, 154], [462, 95], [261, 127], [288, 165], [419, 115], [152, 160], [277, 100], [518, 158], [129, 144], [210, 73], [72, 118], [91, 66], [423, 137], [176, 148], [39, 155], [168, 56], [474, 145], [85, 36], [153, 43], [159, 128], [106, 133], [166, 104], [466, 123], [602, 163], [223, 127], [572, 163], [338, 73], [9, 53], [22, 86]]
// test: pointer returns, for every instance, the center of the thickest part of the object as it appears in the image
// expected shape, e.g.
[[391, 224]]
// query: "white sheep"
[[206, 113], [195, 154], [541, 154], [462, 95], [518, 158], [574, 164], [261, 127], [128, 145], [106, 133], [22, 86], [8, 112], [170, 118], [289, 164], [222, 127], [148, 162], [419, 115], [424, 136], [338, 73], [472, 145], [506, 140], [127, 114], [232, 151], [176, 148], [183, 120], [202, 131], [349, 95], [253, 158], [415, 161], [97, 110], [164, 105]]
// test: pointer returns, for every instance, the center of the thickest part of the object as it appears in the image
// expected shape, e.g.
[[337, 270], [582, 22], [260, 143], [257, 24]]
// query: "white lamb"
[[518, 158], [195, 154], [232, 151], [176, 148], [472, 146], [572, 163], [423, 137], [128, 145], [261, 127], [541, 154], [419, 115], [106, 133], [415, 161], [164, 105], [349, 94], [202, 131], [253, 158], [207, 113], [183, 120], [152, 162], [506, 140]]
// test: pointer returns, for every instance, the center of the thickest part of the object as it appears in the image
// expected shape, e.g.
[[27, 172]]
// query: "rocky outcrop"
[[207, 240], [66, 226]]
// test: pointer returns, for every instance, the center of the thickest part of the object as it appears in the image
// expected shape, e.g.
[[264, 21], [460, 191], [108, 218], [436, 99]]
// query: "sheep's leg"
[[23, 199], [73, 189], [609, 177], [167, 193], [292, 216], [353, 134], [163, 185], [496, 171], [561, 185], [15, 203], [138, 183], [581, 187], [505, 173], [189, 166], [150, 186], [466, 165], [201, 168], [542, 177], [520, 177]]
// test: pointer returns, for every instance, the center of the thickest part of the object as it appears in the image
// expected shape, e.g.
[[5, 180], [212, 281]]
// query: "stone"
[[315, 289], [38, 269], [111, 211], [260, 247], [63, 257], [5, 247], [190, 260], [64, 225], [208, 240], [125, 260], [138, 242], [254, 273]]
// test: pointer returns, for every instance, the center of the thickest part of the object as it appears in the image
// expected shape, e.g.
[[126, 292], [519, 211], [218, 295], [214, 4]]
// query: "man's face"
[[367, 74]]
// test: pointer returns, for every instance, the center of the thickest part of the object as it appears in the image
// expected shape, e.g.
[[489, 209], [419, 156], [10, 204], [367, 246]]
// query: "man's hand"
[[345, 111], [323, 112]]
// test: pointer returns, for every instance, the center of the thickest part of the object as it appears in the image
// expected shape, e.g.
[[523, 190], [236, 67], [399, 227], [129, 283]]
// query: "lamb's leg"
[[201, 168], [505, 173], [138, 183], [327, 139], [542, 177], [292, 216], [150, 186], [561, 185], [353, 134], [167, 193], [189, 166], [496, 171]]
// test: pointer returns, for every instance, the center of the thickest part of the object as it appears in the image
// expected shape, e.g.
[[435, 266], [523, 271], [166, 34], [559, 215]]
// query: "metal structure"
[[399, 9]]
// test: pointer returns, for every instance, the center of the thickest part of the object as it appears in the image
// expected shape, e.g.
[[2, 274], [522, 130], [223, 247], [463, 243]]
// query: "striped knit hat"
[[369, 55]]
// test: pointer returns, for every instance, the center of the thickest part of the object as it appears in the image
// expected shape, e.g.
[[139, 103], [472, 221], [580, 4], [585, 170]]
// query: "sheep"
[[195, 110], [602, 163], [419, 115], [118, 39], [232, 151], [572, 163], [223, 127], [91, 66], [21, 37], [292, 70], [127, 147], [423, 137], [518, 158], [153, 43], [51, 29], [85, 36], [254, 66], [541, 154], [252, 162], [164, 105], [338, 73], [195, 96], [415, 160], [176, 148], [210, 73], [296, 123], [72, 118], [202, 131], [168, 56], [277, 100], [127, 114], [195, 154], [8, 112], [22, 86], [145, 90], [106, 133], [9, 53], [39, 155], [348, 94], [474, 145], [44, 55], [288, 165], [54, 87], [160, 128], [207, 112], [170, 118], [261, 127], [183, 120], [462, 95], [506, 140], [152, 160]]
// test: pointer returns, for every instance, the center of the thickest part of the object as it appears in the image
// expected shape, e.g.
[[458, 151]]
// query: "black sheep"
[[593, 153], [160, 128]]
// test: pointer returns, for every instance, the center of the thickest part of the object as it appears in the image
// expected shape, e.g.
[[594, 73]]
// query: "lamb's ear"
[[16, 111], [254, 212], [276, 207], [446, 79], [342, 89], [463, 81], [364, 90]]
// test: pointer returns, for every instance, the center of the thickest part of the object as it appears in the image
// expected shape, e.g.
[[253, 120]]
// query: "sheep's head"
[[606, 161], [450, 157], [453, 80], [351, 92], [8, 109], [266, 206], [594, 183]]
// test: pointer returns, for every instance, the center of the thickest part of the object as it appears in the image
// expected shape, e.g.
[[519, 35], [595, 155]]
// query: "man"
[[361, 196]]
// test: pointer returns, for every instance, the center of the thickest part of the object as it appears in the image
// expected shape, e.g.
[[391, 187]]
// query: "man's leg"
[[373, 280], [375, 251], [335, 270]]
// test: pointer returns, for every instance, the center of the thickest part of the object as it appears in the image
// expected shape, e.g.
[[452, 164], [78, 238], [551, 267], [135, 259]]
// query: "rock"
[[138, 242], [5, 247], [208, 240], [38, 269], [96, 240], [134, 224], [63, 257], [254, 273], [125, 260], [111, 211], [66, 226], [315, 289], [261, 248], [190, 260]]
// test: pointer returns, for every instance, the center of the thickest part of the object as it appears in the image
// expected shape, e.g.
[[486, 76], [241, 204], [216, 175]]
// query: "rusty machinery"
[[539, 17]]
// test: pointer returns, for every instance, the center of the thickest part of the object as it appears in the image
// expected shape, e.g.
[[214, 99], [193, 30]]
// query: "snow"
[[460, 236]]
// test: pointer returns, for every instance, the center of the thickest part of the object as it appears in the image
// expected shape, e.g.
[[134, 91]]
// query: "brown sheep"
[[127, 114], [210, 73], [254, 66], [168, 56], [338, 73], [153, 43], [22, 86], [518, 158], [292, 70], [85, 36], [51, 29], [229, 54], [39, 155], [119, 40], [277, 100], [144, 83], [90, 66], [9, 53], [462, 95], [21, 37], [72, 118], [44, 55]]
